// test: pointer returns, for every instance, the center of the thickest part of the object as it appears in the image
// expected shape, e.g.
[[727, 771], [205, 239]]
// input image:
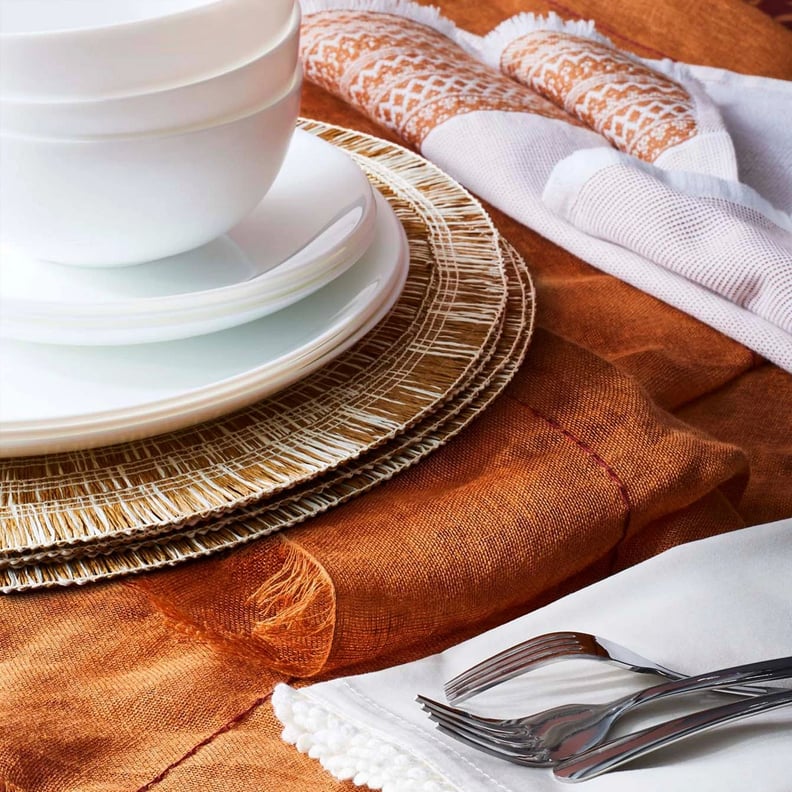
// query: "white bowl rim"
[[283, 38], [294, 86], [200, 6]]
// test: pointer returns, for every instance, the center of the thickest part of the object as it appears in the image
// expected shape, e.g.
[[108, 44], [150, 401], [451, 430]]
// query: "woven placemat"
[[334, 488], [415, 360], [290, 495]]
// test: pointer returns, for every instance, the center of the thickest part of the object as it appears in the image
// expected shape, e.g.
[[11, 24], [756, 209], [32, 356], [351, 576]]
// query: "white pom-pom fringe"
[[490, 48], [423, 15], [348, 751]]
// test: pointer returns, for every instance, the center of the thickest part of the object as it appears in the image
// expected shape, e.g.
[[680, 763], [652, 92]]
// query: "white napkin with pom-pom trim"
[[709, 604]]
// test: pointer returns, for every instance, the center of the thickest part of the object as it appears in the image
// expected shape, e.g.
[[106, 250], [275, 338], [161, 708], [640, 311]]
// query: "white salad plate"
[[61, 398], [317, 219]]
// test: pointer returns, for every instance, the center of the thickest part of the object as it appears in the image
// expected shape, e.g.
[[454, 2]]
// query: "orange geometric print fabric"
[[404, 75], [640, 111]]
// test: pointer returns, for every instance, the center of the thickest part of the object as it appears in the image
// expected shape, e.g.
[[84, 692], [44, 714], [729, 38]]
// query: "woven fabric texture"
[[121, 556], [729, 247], [630, 427]]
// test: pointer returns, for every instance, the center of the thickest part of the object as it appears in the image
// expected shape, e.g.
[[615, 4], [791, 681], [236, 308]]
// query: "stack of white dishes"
[[137, 129], [170, 247]]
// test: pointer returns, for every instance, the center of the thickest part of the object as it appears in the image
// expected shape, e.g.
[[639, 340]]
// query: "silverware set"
[[571, 739]]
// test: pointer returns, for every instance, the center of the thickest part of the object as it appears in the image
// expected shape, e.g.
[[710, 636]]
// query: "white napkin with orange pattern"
[[674, 178]]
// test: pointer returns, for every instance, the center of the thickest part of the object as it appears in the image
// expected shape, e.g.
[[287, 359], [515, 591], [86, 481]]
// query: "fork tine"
[[491, 726], [430, 705], [500, 667], [511, 740], [512, 748], [547, 648], [521, 759], [538, 646], [456, 721], [510, 663], [523, 750]]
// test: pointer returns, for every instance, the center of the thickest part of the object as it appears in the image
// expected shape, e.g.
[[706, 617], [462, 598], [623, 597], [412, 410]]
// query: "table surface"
[[630, 428]]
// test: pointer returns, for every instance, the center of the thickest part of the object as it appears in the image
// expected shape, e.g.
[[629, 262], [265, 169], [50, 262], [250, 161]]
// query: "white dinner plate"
[[315, 222], [61, 398]]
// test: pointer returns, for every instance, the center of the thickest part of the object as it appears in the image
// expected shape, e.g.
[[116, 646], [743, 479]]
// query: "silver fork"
[[615, 753], [550, 648], [553, 735]]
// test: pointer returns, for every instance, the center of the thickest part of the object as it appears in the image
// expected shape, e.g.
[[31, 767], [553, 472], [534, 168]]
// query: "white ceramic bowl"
[[114, 201], [228, 94], [62, 49]]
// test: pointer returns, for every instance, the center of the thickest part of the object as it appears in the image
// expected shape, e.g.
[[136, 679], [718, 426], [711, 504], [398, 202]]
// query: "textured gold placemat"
[[415, 360], [290, 495], [335, 487]]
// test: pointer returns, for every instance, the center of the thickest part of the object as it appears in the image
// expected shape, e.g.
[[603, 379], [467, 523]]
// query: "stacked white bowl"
[[132, 130]]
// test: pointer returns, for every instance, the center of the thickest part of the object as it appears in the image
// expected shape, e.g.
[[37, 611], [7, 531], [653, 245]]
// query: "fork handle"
[[606, 756], [778, 668], [625, 657]]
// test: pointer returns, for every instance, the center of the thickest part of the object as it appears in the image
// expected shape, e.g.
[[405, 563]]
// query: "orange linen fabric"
[[630, 428]]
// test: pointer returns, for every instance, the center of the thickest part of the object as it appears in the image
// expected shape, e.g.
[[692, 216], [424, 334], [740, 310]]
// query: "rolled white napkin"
[[704, 605], [690, 204], [513, 114]]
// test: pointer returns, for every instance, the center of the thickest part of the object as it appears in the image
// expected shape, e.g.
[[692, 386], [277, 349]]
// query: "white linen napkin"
[[548, 121], [709, 604]]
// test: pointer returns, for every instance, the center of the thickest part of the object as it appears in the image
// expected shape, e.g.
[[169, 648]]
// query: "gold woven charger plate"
[[496, 369], [154, 502]]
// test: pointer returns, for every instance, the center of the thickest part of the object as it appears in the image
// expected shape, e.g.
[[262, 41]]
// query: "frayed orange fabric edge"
[[298, 602]]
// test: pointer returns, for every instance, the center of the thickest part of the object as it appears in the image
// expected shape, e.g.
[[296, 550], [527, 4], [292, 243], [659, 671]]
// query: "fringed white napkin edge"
[[351, 751], [737, 322]]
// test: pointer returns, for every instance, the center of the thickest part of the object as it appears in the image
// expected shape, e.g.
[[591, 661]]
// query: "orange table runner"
[[631, 427]]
